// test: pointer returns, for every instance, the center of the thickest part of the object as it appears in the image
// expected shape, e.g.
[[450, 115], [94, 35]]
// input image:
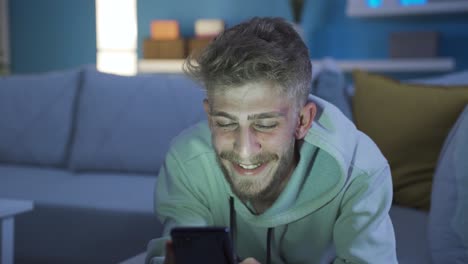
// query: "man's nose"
[[246, 143]]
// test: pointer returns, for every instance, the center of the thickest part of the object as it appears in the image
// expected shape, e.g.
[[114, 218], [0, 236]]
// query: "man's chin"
[[250, 184], [246, 195], [248, 187]]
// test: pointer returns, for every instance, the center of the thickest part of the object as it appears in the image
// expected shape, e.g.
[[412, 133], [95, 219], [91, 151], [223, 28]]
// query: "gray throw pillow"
[[36, 117], [330, 85], [448, 217], [126, 123]]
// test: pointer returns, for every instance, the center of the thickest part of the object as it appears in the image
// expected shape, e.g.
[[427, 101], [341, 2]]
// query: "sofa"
[[86, 147]]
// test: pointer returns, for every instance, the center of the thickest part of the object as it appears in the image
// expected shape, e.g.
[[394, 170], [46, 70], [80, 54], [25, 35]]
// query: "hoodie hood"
[[338, 197]]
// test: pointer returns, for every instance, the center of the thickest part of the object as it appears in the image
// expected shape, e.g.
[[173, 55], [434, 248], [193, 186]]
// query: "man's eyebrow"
[[266, 115], [223, 114]]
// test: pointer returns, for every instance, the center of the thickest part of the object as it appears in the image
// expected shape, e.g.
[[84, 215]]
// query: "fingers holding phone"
[[169, 253], [208, 245], [170, 259]]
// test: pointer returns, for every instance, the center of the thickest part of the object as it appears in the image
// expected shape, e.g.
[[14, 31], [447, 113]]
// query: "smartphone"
[[210, 245]]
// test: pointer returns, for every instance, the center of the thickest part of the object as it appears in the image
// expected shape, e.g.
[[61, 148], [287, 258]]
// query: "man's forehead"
[[247, 88], [253, 105], [257, 93], [252, 116]]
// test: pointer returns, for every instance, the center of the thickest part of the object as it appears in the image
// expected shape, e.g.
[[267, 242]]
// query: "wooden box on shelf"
[[164, 49], [196, 45], [165, 29]]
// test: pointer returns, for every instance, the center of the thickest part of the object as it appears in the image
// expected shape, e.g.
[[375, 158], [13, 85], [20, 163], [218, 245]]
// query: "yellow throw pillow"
[[409, 123]]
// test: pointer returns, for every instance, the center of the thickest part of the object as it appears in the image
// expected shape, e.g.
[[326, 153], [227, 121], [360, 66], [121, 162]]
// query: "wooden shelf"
[[430, 8], [383, 65], [399, 65], [160, 66]]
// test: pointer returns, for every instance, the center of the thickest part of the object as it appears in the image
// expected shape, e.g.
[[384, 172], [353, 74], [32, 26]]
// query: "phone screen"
[[210, 245]]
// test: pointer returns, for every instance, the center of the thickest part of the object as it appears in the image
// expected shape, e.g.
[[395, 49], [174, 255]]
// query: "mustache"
[[259, 158]]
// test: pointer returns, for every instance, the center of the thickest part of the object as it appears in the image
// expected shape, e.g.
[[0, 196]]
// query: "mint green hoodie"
[[333, 209]]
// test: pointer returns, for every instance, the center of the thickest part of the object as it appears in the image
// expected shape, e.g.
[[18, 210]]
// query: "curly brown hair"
[[260, 49]]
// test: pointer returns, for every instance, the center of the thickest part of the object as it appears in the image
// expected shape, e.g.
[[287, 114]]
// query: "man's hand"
[[250, 261], [169, 259]]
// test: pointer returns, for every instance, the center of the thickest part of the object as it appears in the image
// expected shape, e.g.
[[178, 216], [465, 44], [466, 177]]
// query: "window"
[[116, 34]]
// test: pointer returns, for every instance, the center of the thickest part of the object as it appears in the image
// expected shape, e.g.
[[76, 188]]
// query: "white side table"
[[8, 210]]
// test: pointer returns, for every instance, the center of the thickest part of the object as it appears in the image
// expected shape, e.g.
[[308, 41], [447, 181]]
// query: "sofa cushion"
[[410, 226], [127, 123], [103, 191], [409, 123], [36, 117], [330, 85], [448, 231]]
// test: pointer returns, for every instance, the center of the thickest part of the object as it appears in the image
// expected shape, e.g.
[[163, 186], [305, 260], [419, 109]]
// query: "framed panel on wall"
[[4, 38]]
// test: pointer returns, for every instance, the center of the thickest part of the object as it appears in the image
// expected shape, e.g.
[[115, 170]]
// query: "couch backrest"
[[36, 117], [126, 124]]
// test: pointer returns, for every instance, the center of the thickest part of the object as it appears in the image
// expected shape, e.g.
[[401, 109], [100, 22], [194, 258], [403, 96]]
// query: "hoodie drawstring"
[[268, 256], [232, 228]]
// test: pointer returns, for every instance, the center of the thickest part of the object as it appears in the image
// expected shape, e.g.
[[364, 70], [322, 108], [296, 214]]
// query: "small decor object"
[[165, 30], [413, 2], [196, 45], [413, 44], [205, 31], [208, 28], [296, 7], [165, 41]]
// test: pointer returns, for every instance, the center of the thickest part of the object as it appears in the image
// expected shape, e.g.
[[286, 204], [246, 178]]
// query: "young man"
[[302, 183]]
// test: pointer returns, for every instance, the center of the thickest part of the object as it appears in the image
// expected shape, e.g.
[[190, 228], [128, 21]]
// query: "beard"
[[253, 188]]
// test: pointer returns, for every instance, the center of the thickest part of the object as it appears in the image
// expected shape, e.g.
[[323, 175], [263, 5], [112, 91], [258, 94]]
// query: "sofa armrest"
[[448, 235]]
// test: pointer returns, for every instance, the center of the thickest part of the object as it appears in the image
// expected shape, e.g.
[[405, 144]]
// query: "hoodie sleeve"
[[363, 232], [178, 202]]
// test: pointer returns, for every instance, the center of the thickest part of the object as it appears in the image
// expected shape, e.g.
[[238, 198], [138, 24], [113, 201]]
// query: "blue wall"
[[57, 34], [48, 35]]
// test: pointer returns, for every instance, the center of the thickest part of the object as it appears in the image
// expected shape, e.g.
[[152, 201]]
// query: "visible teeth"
[[249, 167]]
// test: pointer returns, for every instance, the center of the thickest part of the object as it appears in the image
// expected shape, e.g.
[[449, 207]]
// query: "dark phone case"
[[210, 245]]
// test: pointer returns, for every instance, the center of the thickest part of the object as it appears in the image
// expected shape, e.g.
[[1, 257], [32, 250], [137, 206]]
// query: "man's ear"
[[206, 106], [306, 117]]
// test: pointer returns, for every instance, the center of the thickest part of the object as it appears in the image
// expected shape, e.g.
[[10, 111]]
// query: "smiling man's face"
[[254, 129]]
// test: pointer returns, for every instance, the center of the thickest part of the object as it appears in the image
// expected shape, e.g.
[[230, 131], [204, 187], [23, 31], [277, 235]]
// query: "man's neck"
[[261, 205]]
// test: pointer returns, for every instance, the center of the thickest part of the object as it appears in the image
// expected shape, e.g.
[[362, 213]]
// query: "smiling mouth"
[[249, 167]]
